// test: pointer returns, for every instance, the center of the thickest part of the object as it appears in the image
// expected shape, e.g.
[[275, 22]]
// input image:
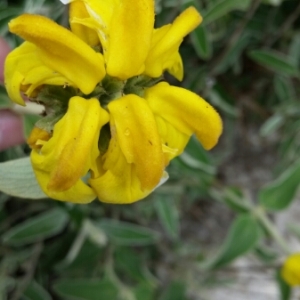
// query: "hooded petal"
[[25, 71], [78, 11], [133, 164], [61, 50], [186, 112], [120, 184], [71, 152], [125, 30], [165, 44]]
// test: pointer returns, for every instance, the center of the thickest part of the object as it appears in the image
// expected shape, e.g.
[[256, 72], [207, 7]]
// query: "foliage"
[[244, 59]]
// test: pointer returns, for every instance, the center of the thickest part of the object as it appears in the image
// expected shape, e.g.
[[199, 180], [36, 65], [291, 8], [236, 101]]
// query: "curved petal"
[[166, 41], [185, 111], [78, 11], [134, 125], [125, 30], [23, 67], [71, 152], [173, 140], [133, 164], [120, 184], [61, 50]]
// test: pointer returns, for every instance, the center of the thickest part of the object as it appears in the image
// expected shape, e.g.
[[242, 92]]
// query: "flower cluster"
[[111, 123]]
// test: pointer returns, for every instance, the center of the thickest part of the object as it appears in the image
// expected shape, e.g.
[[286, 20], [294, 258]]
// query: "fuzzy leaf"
[[17, 179]]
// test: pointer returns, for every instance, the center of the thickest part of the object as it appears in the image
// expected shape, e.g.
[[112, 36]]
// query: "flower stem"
[[271, 229]]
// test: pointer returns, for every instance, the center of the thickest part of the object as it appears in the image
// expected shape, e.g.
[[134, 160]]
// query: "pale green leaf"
[[168, 215], [284, 89], [17, 179], [223, 7], [280, 193], [242, 237], [235, 199], [201, 42], [144, 291], [37, 228], [294, 52], [275, 61], [218, 100], [272, 125], [85, 289], [175, 291], [123, 233], [273, 2]]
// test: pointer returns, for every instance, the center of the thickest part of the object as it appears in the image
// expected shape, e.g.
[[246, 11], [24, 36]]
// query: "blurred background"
[[222, 225]]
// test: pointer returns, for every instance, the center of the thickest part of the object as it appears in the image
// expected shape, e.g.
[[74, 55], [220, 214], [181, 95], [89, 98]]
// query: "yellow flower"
[[290, 271], [110, 129]]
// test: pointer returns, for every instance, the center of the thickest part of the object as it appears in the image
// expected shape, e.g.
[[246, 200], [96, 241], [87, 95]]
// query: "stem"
[[37, 250], [284, 27], [236, 35], [124, 291], [272, 230]]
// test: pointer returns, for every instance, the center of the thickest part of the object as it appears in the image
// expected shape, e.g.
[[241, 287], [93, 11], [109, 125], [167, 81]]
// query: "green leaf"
[[235, 199], [273, 2], [196, 157], [284, 288], [294, 228], [6, 284], [201, 42], [222, 8], [234, 55], [280, 193], [123, 233], [144, 291], [294, 49], [243, 235], [217, 98], [175, 291], [275, 61], [34, 291], [37, 228], [128, 261], [168, 215], [85, 289], [271, 125], [284, 89], [17, 179]]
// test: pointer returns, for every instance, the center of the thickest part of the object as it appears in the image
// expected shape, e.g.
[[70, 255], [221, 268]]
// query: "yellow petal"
[[61, 50], [291, 270], [185, 111], [24, 67], [130, 30], [166, 41], [173, 140], [133, 164], [119, 184], [36, 135], [71, 152], [134, 125], [78, 12], [125, 30]]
